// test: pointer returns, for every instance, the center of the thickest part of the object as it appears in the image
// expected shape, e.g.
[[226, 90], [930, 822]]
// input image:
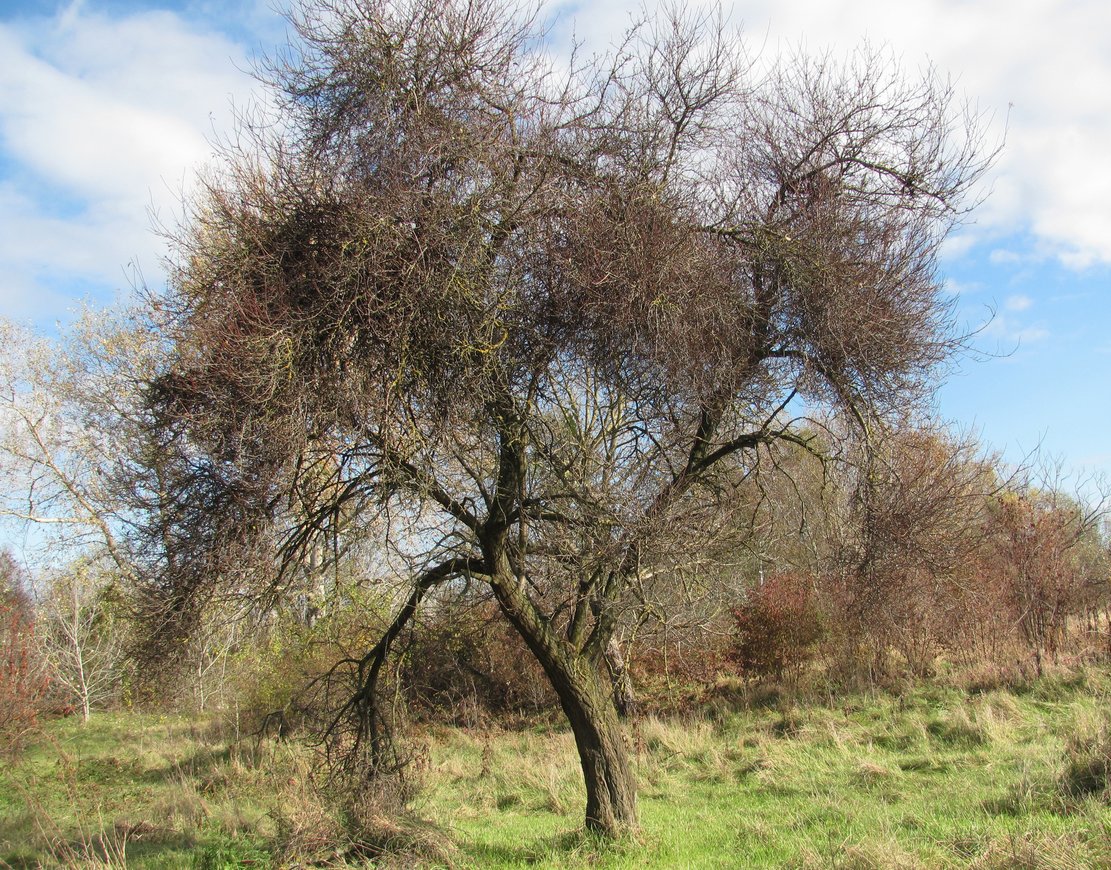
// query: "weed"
[[229, 852], [957, 728], [1033, 851]]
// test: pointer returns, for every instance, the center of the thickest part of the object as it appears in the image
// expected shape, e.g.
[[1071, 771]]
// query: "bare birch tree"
[[72, 449], [80, 638]]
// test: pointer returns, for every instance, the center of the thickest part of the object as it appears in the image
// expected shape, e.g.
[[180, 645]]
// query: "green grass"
[[145, 791], [933, 778]]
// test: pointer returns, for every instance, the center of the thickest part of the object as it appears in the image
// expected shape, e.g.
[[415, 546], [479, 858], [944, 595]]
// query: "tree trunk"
[[610, 787], [624, 698], [587, 700]]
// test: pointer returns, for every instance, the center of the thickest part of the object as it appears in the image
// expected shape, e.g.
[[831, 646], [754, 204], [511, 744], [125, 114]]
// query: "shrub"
[[777, 628], [355, 818], [467, 664], [23, 680], [275, 674]]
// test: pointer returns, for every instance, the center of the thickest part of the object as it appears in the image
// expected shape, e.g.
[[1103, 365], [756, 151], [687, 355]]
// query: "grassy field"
[[935, 777]]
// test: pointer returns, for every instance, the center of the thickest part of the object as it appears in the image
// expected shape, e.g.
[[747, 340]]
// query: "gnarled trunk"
[[624, 698], [586, 698], [610, 787]]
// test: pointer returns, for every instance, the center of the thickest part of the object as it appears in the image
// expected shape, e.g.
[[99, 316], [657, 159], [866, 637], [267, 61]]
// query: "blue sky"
[[107, 107]]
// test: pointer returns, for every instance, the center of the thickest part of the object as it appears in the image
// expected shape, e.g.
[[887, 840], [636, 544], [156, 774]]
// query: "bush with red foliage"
[[778, 627], [23, 680]]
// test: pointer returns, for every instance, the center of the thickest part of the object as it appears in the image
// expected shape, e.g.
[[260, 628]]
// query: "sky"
[[108, 108]]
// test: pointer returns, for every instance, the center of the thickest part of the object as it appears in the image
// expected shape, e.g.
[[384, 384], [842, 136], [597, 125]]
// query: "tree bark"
[[587, 701], [610, 786], [624, 698]]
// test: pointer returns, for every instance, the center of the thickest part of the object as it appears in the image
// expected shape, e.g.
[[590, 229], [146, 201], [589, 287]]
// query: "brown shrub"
[[23, 680], [468, 664], [778, 627]]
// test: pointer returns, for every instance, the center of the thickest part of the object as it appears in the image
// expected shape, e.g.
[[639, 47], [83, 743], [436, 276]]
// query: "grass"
[[935, 777], [135, 790]]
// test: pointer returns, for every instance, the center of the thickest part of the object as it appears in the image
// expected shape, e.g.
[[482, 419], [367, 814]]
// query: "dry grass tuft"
[[1029, 851], [1087, 762], [886, 855], [869, 773], [956, 727]]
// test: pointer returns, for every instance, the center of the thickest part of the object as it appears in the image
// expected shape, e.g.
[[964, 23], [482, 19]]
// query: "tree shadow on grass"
[[579, 846]]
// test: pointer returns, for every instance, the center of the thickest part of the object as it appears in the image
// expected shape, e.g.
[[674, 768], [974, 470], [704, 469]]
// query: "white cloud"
[[1012, 335], [1018, 302], [1004, 257], [103, 119]]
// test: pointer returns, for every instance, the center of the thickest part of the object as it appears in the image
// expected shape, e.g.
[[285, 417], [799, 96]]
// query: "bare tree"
[[540, 325], [914, 509], [72, 450], [81, 639]]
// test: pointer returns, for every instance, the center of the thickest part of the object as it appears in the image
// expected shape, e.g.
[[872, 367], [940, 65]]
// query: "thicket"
[[998, 580], [1015, 578], [23, 677]]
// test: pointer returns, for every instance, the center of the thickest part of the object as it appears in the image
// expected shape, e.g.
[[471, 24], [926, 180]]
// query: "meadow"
[[932, 776]]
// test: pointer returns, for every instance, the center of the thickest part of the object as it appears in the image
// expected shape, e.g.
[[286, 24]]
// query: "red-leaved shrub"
[[777, 628], [23, 680]]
